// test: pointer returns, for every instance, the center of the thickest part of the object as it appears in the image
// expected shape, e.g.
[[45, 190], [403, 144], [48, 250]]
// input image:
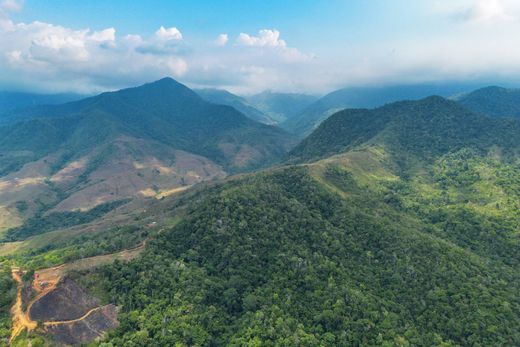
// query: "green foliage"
[[57, 220], [7, 294], [422, 129], [164, 111], [83, 246], [493, 101], [278, 259]]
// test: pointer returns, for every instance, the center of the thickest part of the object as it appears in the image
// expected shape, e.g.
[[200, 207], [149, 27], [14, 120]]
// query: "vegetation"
[[58, 220], [310, 118], [164, 111], [397, 226], [7, 294], [493, 101], [422, 130], [281, 259]]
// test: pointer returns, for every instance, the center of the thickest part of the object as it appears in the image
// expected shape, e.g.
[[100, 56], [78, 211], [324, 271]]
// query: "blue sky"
[[248, 46]]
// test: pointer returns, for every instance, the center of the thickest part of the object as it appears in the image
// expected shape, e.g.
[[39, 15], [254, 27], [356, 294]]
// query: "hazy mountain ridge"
[[11, 101], [224, 97], [364, 97], [281, 106], [493, 101]]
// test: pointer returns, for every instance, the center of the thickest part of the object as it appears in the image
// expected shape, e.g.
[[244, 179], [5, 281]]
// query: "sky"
[[311, 46]]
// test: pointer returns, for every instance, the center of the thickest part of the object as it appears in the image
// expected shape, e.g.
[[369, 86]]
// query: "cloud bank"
[[482, 41]]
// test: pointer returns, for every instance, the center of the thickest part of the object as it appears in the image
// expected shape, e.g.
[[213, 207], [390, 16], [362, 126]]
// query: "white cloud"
[[47, 57], [104, 35], [266, 37], [11, 5], [270, 39], [489, 10], [168, 34], [222, 40]]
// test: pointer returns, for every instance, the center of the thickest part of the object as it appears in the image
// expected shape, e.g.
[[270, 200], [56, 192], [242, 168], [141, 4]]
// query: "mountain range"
[[390, 224], [147, 141], [364, 97]]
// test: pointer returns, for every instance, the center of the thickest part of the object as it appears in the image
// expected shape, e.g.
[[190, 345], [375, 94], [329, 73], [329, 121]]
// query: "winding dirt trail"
[[21, 319], [77, 319]]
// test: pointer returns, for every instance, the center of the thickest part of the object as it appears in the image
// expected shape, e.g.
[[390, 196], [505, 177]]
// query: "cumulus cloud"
[[168, 34], [50, 57], [222, 40], [266, 37], [270, 39], [474, 39]]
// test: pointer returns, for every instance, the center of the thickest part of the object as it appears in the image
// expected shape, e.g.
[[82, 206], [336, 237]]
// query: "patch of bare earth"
[[93, 325]]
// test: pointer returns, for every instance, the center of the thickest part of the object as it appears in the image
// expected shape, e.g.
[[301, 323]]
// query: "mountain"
[[147, 141], [493, 101], [281, 106], [224, 97], [10, 101], [425, 128], [363, 97], [396, 226]]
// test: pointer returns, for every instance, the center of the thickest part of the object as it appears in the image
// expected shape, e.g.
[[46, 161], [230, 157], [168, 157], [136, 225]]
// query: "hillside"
[[404, 232], [422, 129], [363, 97], [281, 106], [493, 101], [146, 141], [224, 97]]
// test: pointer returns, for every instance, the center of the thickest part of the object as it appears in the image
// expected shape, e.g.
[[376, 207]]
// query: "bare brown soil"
[[67, 312]]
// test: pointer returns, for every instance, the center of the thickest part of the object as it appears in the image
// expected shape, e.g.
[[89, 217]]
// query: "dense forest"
[[7, 294], [291, 258]]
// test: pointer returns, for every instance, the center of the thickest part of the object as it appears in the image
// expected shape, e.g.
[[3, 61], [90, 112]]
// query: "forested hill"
[[146, 141], [427, 128], [314, 256], [164, 111], [493, 101], [364, 97]]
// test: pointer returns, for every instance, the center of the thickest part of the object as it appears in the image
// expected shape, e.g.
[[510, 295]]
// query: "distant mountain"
[[281, 106], [10, 101], [146, 141], [427, 128], [493, 101], [223, 97], [363, 97]]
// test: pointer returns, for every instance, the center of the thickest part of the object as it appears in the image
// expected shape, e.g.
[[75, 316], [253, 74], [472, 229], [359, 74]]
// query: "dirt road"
[[21, 319]]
